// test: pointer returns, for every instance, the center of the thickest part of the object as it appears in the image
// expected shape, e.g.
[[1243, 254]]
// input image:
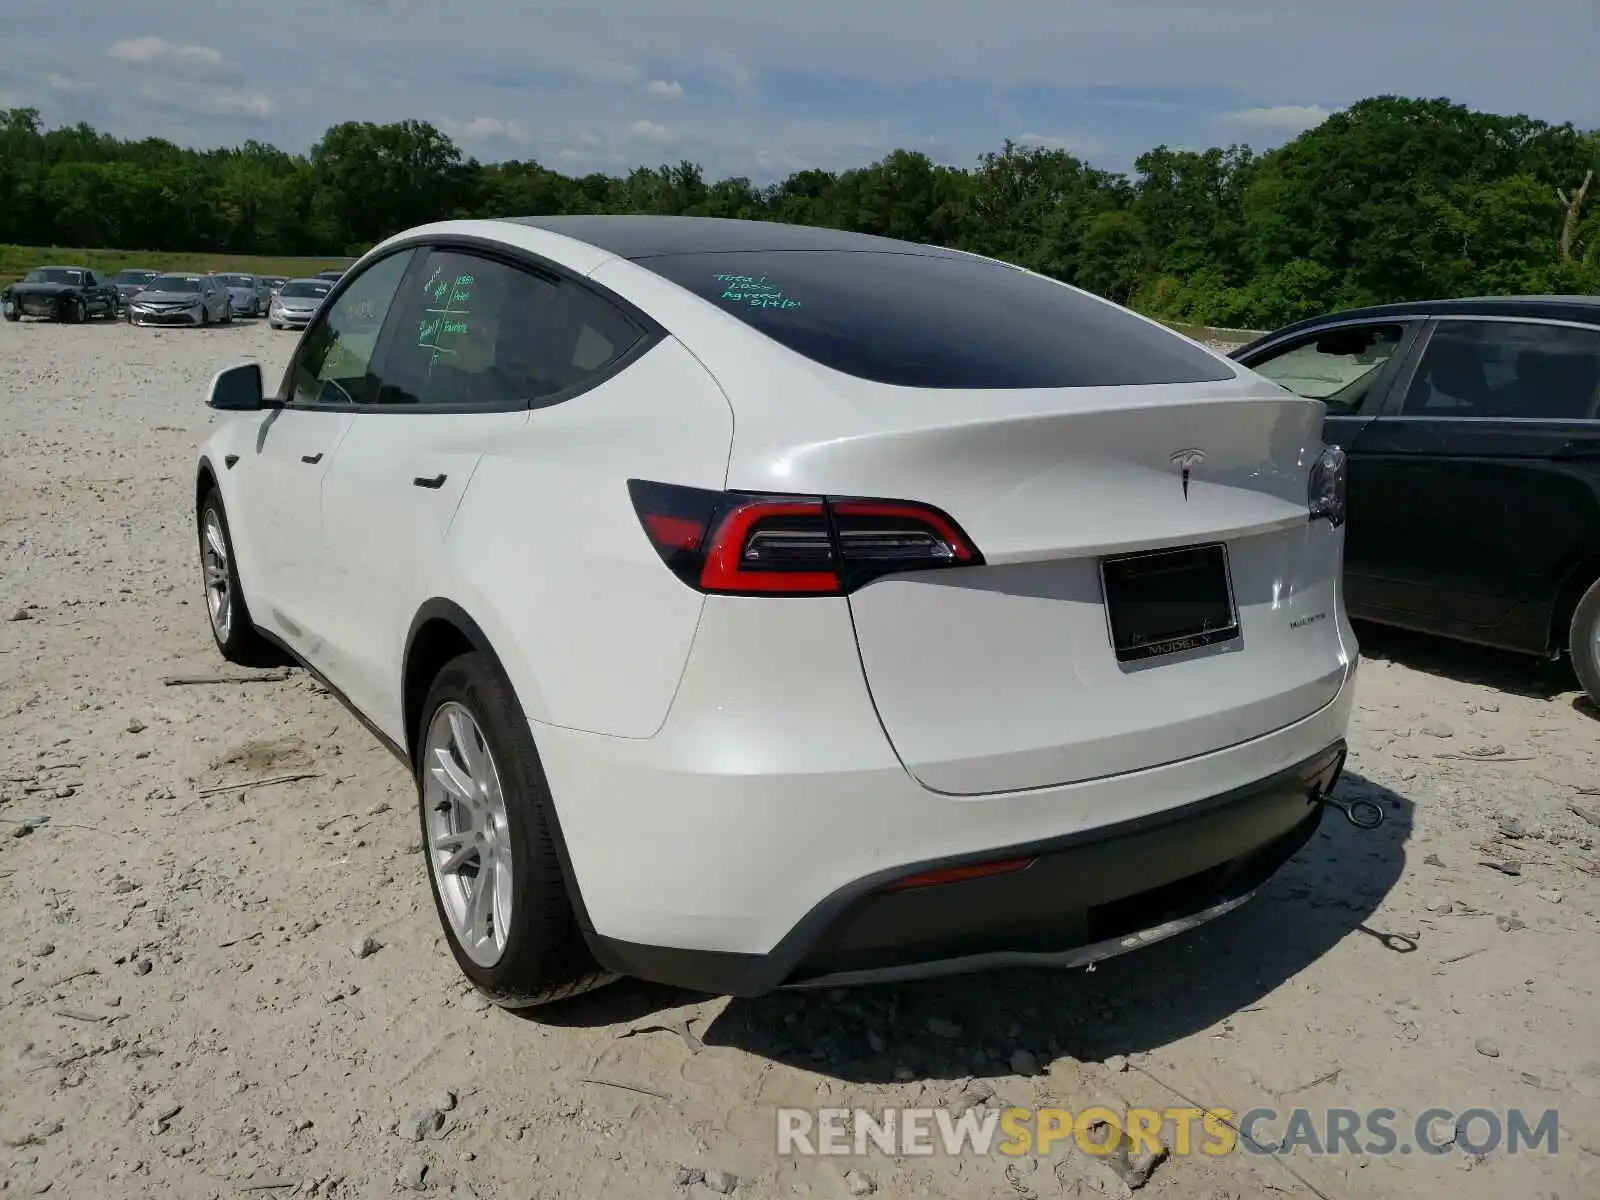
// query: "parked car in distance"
[[274, 282], [332, 275], [130, 281], [297, 302], [1473, 433], [70, 294], [650, 539], [250, 294], [182, 300]]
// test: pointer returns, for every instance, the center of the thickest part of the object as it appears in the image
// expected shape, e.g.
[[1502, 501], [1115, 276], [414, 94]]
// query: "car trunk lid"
[[1004, 676]]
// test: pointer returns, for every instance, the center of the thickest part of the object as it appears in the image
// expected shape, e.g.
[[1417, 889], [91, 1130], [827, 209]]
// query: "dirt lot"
[[182, 1013]]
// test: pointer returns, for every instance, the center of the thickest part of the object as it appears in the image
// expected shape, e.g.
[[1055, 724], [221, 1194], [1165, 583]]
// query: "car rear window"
[[937, 321]]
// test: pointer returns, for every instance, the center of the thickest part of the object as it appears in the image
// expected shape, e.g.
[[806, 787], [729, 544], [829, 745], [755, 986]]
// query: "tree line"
[[1390, 199]]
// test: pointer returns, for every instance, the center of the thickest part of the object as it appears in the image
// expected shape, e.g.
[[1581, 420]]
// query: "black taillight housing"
[[747, 543], [1327, 485]]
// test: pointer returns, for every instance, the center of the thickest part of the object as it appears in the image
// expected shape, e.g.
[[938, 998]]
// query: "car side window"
[[334, 364], [1336, 366], [471, 331], [1507, 369]]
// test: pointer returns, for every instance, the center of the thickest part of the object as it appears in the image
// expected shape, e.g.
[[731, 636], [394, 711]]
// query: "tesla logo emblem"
[[1186, 461]]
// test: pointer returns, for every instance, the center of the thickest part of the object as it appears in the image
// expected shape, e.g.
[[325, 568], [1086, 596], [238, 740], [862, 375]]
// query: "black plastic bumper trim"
[[741, 974]]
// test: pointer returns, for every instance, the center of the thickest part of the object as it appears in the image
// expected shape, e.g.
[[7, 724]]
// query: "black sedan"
[[60, 294], [1473, 434]]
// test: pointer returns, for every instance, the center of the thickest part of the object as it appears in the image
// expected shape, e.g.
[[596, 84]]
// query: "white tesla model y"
[[762, 606]]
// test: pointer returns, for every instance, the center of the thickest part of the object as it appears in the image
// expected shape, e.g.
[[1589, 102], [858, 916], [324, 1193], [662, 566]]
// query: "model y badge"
[[1186, 461]]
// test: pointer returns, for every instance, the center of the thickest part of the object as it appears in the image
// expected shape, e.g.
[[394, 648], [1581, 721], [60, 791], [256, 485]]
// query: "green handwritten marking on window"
[[449, 318], [755, 291]]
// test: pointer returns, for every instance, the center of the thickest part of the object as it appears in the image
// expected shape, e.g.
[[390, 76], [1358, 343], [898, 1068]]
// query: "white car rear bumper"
[[748, 845]]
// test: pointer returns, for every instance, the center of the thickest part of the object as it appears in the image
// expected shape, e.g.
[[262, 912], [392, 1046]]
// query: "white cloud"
[[479, 130], [65, 83], [159, 50], [1281, 118], [664, 89], [649, 131], [232, 103], [207, 100], [1072, 145]]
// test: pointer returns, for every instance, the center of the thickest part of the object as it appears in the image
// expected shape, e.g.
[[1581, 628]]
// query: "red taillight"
[[747, 544], [999, 866], [677, 533], [771, 547]]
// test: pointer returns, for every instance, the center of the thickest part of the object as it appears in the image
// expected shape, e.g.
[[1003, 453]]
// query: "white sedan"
[[766, 606]]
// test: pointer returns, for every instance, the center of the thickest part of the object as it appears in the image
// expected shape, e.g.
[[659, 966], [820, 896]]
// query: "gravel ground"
[[183, 1011]]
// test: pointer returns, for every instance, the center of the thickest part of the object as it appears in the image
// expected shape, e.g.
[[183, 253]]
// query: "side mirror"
[[237, 389]]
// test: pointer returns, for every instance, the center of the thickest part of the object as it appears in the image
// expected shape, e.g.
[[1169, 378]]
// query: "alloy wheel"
[[214, 569], [468, 833]]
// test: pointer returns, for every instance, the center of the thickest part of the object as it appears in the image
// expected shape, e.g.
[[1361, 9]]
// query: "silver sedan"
[[182, 300], [250, 294], [297, 302]]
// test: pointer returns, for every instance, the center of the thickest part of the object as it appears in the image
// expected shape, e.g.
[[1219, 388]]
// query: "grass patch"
[[17, 261]]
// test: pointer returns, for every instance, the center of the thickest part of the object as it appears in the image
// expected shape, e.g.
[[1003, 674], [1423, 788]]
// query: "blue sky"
[[759, 88]]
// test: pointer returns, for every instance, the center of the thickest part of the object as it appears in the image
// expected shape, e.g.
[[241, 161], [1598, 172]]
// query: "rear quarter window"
[[938, 321]]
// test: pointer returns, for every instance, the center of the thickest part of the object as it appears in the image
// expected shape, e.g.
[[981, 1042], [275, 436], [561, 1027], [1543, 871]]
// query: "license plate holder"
[[1161, 602]]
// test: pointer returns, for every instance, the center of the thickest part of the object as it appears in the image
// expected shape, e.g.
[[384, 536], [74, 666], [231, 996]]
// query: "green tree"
[[1391, 199]]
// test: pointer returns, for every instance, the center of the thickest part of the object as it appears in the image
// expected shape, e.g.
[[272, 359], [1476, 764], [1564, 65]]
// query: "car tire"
[[13, 314], [539, 955], [232, 629], [1583, 642], [75, 312], [227, 313]]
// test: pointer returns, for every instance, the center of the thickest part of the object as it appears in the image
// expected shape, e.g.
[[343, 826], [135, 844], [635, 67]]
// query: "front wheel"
[[1583, 642], [227, 313], [75, 312], [487, 835], [231, 627]]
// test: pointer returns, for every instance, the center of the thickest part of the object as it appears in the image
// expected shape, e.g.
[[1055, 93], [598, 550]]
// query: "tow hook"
[[1363, 814]]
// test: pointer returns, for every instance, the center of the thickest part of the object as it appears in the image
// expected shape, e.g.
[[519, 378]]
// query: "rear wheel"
[[1583, 642], [488, 839], [235, 634]]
